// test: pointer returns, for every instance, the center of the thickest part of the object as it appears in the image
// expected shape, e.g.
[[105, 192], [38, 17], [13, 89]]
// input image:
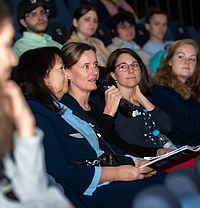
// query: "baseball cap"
[[26, 6]]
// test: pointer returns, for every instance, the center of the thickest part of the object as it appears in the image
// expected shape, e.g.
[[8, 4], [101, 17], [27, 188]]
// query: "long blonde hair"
[[165, 76]]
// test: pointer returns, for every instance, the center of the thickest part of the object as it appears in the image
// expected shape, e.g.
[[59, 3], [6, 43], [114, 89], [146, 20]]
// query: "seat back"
[[179, 30], [103, 33], [183, 181], [58, 30], [156, 197]]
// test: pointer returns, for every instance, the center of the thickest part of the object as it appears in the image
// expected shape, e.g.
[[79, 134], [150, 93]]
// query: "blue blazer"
[[62, 147]]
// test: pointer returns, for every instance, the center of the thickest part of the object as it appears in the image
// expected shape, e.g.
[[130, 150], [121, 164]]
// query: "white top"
[[152, 47]]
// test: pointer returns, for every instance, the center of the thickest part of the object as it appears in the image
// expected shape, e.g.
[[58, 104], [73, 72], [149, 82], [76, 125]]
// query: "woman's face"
[[127, 72], [7, 57], [157, 27], [184, 62], [56, 79], [84, 74], [126, 31], [87, 24]]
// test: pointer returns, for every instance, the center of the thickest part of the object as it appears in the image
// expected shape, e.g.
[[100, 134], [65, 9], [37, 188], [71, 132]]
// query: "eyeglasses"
[[34, 15], [124, 67], [182, 57]]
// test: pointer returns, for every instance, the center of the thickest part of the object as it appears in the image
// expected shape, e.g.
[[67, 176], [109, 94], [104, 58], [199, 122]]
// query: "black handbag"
[[115, 160]]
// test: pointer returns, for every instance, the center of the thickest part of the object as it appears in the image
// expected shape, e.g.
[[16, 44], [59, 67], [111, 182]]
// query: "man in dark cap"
[[33, 16]]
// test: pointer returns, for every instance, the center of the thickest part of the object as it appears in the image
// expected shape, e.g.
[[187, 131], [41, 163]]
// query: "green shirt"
[[31, 40]]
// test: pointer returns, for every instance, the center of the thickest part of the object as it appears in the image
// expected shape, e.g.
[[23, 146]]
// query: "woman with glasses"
[[127, 72], [177, 91]]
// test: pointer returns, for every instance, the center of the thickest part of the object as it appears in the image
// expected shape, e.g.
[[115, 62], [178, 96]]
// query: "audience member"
[[177, 92], [156, 24], [23, 181], [85, 22], [123, 29], [115, 6], [126, 71], [33, 16], [71, 145]]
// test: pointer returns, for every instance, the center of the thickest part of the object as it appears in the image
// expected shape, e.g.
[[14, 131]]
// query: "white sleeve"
[[28, 174]]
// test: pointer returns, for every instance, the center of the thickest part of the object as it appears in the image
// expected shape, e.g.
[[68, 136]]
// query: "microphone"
[[125, 107]]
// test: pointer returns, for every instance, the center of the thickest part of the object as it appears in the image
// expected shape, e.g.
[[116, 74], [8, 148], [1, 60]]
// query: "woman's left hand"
[[163, 151], [139, 163]]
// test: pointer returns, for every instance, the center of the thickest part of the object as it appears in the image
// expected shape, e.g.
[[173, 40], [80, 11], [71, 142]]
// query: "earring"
[[115, 81]]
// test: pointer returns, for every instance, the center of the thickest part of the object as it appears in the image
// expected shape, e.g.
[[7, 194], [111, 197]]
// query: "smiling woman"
[[177, 90]]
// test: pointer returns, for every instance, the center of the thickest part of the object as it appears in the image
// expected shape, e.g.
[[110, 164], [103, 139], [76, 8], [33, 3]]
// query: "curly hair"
[[165, 76]]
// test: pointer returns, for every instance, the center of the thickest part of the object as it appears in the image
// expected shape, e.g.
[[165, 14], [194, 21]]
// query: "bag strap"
[[97, 133]]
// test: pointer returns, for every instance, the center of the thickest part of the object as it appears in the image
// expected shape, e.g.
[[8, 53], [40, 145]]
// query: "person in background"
[[156, 24], [177, 91], [84, 26], [127, 72], [123, 29], [23, 181], [33, 17], [115, 6]]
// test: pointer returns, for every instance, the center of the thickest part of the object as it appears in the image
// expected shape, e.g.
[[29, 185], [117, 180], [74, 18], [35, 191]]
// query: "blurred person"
[[33, 17], [176, 91], [115, 6], [84, 26], [23, 181], [123, 28], [156, 24]]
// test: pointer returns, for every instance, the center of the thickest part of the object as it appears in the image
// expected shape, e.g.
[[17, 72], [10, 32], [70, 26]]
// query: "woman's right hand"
[[121, 173], [130, 173], [18, 109], [112, 99]]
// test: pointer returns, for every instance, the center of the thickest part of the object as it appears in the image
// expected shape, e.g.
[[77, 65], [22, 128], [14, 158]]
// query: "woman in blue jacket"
[[71, 145]]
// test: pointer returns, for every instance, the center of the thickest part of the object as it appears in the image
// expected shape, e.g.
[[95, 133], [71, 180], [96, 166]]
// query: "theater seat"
[[57, 29], [194, 34], [183, 182], [157, 196], [103, 33], [141, 34], [178, 30]]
